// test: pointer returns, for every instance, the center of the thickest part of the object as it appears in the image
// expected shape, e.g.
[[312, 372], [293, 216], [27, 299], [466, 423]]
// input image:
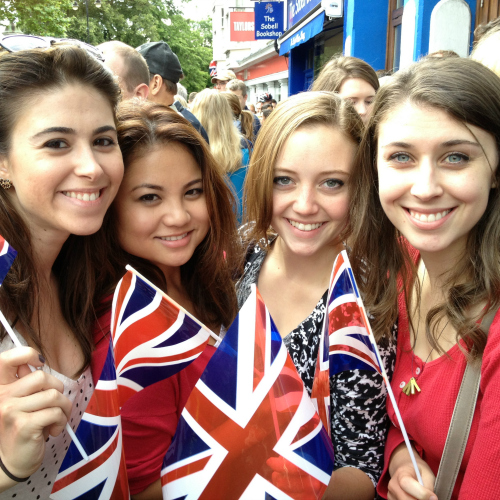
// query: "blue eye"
[[282, 181], [401, 157], [457, 158], [333, 183]]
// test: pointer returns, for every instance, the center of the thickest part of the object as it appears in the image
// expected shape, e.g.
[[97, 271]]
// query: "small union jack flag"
[[7, 256], [104, 475], [153, 337], [213, 69], [249, 429], [351, 343]]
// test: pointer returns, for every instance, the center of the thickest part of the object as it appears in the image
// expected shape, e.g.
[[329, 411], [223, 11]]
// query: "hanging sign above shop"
[[242, 26], [269, 20], [297, 9]]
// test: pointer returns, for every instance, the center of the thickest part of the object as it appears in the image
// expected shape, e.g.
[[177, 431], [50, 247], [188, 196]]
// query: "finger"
[[396, 493], [49, 418], [415, 489], [10, 361], [49, 398], [34, 382]]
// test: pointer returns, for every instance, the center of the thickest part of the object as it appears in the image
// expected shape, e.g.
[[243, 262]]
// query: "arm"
[[152, 492], [32, 406], [349, 483]]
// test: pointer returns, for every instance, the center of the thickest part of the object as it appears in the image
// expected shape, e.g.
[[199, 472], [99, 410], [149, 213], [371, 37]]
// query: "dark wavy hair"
[[470, 93], [26, 76], [207, 276]]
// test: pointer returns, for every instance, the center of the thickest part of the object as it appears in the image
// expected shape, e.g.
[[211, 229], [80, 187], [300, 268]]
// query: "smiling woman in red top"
[[432, 220]]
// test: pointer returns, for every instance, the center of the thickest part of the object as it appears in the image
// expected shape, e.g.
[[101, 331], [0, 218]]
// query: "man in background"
[[221, 78], [165, 72], [239, 89], [129, 67]]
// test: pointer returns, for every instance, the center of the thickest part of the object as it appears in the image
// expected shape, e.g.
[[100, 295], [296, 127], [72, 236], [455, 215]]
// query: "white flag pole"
[[384, 375], [16, 342]]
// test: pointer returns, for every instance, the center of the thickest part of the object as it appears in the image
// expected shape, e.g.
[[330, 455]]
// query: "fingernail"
[[41, 358]]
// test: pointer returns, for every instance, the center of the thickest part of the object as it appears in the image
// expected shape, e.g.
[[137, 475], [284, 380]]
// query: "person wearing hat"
[[165, 72], [221, 78]]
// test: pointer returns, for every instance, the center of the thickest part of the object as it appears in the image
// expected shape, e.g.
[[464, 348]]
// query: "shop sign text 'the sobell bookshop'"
[[269, 20]]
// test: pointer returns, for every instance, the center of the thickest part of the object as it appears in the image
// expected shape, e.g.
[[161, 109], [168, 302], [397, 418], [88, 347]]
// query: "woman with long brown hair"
[[61, 167], [431, 237], [172, 220]]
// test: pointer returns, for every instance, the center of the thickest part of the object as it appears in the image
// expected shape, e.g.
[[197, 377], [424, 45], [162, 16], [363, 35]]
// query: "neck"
[[313, 268], [46, 248]]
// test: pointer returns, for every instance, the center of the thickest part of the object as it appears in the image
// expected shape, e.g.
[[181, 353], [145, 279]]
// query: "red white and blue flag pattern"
[[104, 475], [7, 256], [249, 429], [153, 337], [351, 344], [213, 68]]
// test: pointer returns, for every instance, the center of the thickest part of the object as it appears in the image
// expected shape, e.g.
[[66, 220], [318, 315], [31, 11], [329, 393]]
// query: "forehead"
[[356, 87]]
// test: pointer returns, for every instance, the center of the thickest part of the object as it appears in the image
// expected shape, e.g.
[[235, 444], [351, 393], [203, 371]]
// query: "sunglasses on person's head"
[[15, 43]]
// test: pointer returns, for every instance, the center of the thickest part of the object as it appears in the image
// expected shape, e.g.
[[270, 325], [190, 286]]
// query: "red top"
[[150, 417], [427, 415]]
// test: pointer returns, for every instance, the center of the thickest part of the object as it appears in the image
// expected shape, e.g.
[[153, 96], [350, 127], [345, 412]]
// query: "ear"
[[141, 91], [4, 167], [155, 84]]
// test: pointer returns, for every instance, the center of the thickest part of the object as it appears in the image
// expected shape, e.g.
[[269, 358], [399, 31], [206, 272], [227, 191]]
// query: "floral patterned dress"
[[358, 413]]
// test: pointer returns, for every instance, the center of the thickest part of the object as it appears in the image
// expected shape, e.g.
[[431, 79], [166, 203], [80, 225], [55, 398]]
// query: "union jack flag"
[[213, 68], [249, 429], [351, 344], [104, 475], [7, 256], [153, 337]]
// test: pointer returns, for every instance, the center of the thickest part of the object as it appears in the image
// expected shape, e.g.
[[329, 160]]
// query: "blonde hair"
[[245, 117], [214, 113], [486, 51]]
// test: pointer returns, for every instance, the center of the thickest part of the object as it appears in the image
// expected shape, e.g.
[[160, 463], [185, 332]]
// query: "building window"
[[222, 18], [393, 53]]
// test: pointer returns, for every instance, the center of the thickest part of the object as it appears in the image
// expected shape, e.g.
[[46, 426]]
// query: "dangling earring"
[[5, 183]]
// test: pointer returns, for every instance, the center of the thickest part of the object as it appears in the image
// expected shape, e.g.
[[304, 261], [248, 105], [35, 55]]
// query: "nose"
[[426, 183], [361, 108], [175, 214], [87, 163], [305, 203]]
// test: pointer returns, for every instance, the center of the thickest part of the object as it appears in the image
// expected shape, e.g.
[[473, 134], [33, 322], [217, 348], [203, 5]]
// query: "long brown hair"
[[470, 93], [207, 276], [308, 109], [24, 77]]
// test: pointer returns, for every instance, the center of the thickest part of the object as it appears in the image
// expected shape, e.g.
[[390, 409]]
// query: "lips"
[[83, 196], [305, 227]]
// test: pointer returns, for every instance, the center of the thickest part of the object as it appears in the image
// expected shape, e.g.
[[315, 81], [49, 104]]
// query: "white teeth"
[[429, 217], [82, 196], [304, 227], [174, 238]]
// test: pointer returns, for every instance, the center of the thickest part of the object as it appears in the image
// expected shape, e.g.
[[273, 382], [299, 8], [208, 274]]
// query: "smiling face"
[[361, 94], [310, 194], [435, 176], [161, 208], [64, 162]]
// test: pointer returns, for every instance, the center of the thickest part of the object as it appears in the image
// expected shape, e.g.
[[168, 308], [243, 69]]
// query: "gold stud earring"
[[5, 183]]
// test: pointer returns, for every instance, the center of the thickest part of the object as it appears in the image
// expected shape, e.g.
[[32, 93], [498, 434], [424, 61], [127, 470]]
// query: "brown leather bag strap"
[[458, 433]]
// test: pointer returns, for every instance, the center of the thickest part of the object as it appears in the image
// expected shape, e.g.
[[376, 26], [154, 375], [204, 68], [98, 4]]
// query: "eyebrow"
[[446, 144], [325, 172], [72, 131], [160, 188]]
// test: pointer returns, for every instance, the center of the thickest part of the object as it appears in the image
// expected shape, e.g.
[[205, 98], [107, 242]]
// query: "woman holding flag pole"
[[430, 235], [298, 215], [60, 168], [173, 222]]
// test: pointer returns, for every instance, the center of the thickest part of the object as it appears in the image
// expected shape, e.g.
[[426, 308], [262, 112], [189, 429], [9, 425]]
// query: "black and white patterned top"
[[358, 413]]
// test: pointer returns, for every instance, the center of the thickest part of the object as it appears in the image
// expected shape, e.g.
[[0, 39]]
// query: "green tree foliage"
[[131, 21]]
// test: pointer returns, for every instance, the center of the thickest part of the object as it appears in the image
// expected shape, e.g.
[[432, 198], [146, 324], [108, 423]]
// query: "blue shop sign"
[[297, 9], [312, 28], [269, 20]]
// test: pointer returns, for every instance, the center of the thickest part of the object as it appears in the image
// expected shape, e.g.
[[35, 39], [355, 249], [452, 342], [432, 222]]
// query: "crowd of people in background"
[[106, 160]]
